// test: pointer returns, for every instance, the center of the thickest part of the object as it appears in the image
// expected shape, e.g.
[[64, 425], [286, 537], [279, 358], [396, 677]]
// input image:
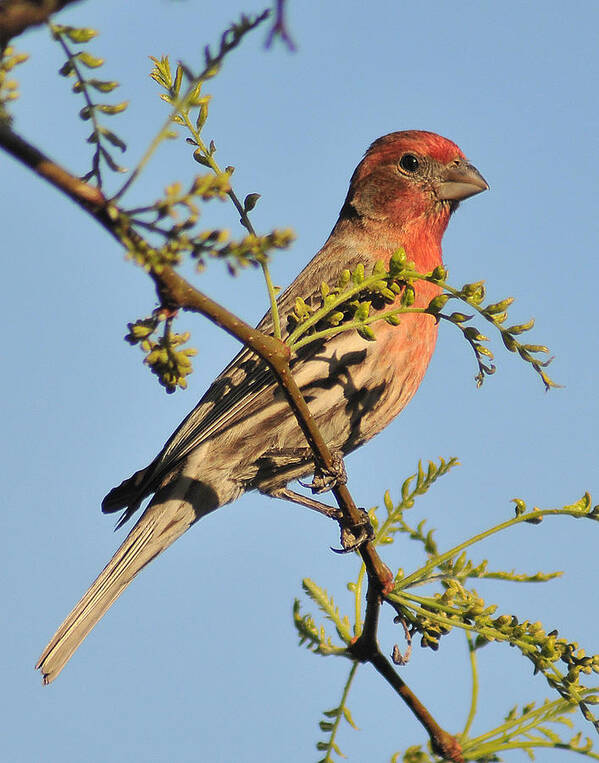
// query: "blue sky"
[[198, 660]]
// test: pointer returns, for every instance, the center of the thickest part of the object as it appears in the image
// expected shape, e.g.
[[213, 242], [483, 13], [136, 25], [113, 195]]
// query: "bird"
[[242, 435]]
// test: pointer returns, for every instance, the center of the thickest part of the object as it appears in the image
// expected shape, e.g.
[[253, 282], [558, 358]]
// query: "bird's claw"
[[326, 479], [352, 538]]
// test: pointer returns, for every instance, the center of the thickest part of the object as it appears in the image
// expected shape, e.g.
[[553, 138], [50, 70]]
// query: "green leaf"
[[362, 312], [520, 506], [161, 73], [366, 333], [66, 69], [358, 274], [499, 307], [202, 116], [397, 262], [178, 78], [521, 327], [460, 317], [110, 161], [201, 158], [438, 303], [348, 718], [344, 278], [92, 62], [111, 109], [250, 201], [103, 86], [112, 138], [408, 296], [379, 269], [439, 273], [79, 35]]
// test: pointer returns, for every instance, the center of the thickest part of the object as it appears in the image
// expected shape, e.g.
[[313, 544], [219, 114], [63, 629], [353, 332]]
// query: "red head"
[[411, 182]]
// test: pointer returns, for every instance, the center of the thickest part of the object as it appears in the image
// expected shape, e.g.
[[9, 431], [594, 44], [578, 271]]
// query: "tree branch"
[[86, 196], [18, 15], [443, 743], [366, 649]]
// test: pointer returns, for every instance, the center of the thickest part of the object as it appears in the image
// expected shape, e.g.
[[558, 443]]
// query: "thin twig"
[[279, 28], [474, 693], [243, 219], [72, 59]]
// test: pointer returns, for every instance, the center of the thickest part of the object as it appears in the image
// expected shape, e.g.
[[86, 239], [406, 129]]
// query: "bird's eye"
[[409, 163]]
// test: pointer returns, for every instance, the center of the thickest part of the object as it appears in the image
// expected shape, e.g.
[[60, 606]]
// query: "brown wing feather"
[[244, 386]]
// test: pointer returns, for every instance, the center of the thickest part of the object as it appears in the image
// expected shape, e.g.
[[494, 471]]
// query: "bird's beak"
[[460, 180]]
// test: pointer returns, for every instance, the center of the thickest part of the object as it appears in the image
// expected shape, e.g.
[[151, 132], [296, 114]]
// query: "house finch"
[[242, 434]]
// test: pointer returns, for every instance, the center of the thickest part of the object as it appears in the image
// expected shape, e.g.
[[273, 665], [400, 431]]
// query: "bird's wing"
[[241, 390], [237, 389]]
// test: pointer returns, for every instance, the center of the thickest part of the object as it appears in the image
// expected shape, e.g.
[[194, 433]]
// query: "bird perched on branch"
[[242, 435]]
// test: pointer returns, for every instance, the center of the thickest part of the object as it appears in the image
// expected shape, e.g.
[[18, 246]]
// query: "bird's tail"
[[160, 525]]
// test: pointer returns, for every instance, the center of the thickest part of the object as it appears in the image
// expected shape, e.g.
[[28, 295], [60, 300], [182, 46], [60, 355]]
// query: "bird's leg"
[[326, 479], [351, 537], [289, 495]]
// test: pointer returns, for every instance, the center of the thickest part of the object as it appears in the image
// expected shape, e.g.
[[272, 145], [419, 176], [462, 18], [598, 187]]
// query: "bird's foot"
[[352, 538], [326, 479]]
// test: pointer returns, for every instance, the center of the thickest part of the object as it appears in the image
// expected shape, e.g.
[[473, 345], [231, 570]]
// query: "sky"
[[198, 660]]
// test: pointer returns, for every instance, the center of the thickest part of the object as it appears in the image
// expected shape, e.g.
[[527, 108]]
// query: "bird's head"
[[412, 179]]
